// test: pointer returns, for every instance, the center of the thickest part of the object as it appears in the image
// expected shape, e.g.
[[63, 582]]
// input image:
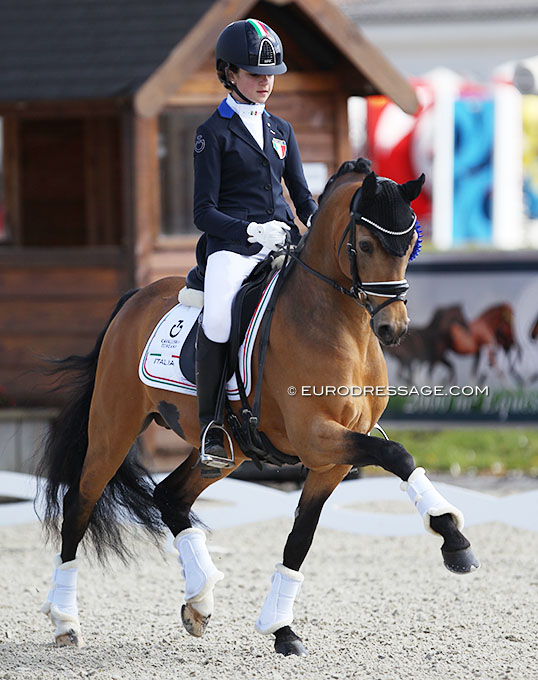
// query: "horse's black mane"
[[361, 165]]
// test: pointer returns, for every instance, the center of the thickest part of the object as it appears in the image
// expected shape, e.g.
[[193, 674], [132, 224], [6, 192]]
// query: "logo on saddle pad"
[[168, 353], [280, 146]]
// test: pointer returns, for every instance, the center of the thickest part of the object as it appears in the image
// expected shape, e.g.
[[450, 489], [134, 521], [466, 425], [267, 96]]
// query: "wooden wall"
[[145, 196], [64, 179], [68, 256], [52, 306]]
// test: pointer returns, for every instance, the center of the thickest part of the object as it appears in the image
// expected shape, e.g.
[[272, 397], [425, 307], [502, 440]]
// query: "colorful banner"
[[530, 155], [473, 170], [402, 146]]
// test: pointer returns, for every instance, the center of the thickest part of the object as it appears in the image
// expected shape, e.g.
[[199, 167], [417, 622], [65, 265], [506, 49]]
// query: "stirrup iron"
[[216, 461]]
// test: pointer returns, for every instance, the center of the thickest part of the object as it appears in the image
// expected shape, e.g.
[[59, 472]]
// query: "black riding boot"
[[210, 360]]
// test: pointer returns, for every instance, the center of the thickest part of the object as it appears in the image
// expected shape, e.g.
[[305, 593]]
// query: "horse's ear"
[[410, 190], [369, 187]]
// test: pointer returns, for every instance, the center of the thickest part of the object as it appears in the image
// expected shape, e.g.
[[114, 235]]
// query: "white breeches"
[[224, 274]]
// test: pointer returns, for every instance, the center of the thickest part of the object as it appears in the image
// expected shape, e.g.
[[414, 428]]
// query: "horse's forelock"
[[360, 166]]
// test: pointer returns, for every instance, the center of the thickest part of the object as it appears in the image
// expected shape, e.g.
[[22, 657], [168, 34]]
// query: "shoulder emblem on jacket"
[[199, 145]]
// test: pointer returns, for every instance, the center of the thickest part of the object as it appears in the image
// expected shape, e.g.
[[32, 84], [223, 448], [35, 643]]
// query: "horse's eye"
[[366, 247]]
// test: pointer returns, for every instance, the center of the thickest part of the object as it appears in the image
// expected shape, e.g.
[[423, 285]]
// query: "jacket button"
[[265, 162], [270, 211], [267, 187]]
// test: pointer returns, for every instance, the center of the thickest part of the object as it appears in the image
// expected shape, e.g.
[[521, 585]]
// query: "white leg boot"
[[277, 610], [200, 575], [61, 604], [428, 501]]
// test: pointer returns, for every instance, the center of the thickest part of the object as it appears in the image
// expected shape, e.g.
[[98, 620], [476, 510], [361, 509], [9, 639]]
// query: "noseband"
[[394, 291]]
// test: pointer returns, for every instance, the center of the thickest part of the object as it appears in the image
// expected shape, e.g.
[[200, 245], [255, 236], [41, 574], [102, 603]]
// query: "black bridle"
[[394, 291]]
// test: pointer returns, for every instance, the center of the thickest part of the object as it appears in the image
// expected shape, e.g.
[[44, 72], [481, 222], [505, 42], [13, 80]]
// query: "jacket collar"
[[270, 132], [225, 110]]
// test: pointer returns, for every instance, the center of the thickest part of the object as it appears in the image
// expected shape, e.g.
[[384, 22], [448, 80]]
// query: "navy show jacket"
[[236, 182]]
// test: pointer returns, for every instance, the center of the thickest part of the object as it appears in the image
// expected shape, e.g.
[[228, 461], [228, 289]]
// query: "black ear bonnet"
[[384, 207]]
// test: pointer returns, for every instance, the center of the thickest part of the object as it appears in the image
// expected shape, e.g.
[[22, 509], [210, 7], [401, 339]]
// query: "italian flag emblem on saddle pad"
[[280, 146]]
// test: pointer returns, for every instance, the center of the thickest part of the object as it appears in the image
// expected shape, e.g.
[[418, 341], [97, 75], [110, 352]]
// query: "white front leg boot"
[[200, 575], [428, 501], [277, 610], [61, 604]]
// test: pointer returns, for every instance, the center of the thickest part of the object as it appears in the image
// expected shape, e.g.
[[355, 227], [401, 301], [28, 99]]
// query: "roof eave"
[[362, 54], [187, 56], [152, 96]]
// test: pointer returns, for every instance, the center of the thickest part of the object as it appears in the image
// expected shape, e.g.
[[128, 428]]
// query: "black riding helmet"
[[251, 45]]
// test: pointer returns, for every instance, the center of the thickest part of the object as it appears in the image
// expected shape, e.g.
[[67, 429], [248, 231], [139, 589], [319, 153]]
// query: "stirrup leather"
[[216, 461]]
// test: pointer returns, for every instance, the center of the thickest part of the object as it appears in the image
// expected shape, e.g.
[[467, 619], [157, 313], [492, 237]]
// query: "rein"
[[394, 291]]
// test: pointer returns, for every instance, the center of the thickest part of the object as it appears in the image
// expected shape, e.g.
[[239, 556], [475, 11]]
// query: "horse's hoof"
[[194, 622], [461, 561], [290, 647], [69, 639], [289, 644]]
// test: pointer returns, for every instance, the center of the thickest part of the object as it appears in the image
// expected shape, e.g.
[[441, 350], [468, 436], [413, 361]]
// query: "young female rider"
[[241, 154]]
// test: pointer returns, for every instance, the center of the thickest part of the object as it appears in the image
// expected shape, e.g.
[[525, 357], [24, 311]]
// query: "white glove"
[[271, 235]]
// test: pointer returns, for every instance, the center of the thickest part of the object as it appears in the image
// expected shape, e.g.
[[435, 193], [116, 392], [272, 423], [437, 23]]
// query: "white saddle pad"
[[159, 364]]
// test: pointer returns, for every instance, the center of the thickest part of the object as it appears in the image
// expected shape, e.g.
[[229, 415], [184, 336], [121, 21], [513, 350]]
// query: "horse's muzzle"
[[390, 333]]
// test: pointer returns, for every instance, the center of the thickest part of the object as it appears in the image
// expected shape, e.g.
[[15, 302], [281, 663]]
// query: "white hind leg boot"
[[61, 604], [428, 501], [277, 610], [200, 575]]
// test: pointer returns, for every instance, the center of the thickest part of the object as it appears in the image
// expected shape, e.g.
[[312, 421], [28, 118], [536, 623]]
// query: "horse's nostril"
[[385, 333]]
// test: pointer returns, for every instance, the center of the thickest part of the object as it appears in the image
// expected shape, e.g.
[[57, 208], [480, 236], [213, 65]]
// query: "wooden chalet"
[[99, 101]]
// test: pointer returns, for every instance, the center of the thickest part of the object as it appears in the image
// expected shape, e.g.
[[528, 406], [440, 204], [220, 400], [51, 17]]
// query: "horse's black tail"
[[130, 491]]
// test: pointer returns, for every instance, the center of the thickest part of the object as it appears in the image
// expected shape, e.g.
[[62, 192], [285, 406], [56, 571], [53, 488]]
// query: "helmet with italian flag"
[[251, 45]]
